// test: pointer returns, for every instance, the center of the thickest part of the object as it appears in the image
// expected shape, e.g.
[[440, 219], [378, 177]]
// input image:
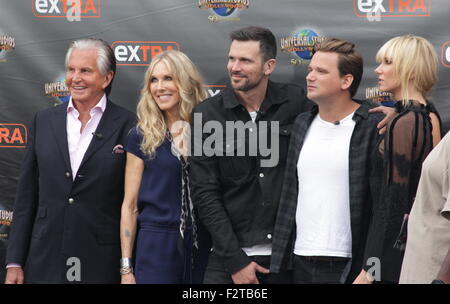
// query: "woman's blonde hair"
[[414, 59], [189, 83]]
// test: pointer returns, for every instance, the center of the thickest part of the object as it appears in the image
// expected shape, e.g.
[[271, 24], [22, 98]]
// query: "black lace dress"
[[396, 164]]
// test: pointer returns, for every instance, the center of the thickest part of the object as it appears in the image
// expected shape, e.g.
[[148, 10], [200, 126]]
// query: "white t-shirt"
[[323, 208], [253, 115]]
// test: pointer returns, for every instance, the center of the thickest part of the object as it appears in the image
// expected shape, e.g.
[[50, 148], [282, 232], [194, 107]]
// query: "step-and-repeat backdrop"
[[35, 34]]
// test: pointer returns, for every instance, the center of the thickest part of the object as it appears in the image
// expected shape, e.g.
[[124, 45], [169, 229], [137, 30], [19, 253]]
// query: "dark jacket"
[[56, 217], [236, 197]]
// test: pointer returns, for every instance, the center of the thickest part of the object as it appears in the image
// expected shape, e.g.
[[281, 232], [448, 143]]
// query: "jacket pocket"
[[284, 134], [235, 161]]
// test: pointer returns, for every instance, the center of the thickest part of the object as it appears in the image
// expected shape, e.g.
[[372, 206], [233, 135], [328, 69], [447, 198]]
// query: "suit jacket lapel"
[[59, 126], [106, 128]]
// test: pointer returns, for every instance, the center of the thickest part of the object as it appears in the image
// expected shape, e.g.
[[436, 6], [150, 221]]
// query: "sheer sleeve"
[[408, 142]]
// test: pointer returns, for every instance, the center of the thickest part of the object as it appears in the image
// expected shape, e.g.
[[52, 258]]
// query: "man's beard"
[[246, 85]]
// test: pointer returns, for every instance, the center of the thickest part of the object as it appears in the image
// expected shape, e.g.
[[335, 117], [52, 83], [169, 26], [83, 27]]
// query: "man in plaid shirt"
[[325, 204]]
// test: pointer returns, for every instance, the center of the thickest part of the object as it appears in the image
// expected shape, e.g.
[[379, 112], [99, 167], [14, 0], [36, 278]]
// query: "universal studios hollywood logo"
[[223, 10], [383, 98], [7, 43], [6, 217], [300, 45], [58, 90]]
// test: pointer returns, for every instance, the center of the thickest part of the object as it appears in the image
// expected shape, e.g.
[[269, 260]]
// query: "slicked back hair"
[[106, 61]]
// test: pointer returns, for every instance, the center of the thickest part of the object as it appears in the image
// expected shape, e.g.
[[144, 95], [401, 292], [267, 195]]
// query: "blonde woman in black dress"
[[408, 70]]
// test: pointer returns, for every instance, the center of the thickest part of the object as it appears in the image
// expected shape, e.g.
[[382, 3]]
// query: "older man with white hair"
[[67, 208]]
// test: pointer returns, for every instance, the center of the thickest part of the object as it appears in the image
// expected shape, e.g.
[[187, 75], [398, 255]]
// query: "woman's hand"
[[128, 279]]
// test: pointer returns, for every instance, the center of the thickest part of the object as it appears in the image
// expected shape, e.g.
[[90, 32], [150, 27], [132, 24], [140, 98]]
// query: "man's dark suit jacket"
[[56, 217]]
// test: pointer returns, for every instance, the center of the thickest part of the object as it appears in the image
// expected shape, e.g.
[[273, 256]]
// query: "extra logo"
[[300, 45], [13, 135], [140, 53], [7, 44], [66, 8], [214, 90], [391, 8], [384, 98], [446, 54], [224, 10], [57, 90]]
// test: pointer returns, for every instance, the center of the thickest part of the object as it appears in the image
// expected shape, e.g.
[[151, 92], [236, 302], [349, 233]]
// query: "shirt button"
[[269, 236], [71, 200], [261, 175], [67, 174]]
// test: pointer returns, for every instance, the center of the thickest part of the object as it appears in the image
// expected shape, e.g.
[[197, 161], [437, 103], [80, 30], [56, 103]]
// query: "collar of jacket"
[[274, 95], [361, 113]]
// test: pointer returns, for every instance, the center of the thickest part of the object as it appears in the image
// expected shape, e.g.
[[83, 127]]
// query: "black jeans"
[[217, 274], [318, 270]]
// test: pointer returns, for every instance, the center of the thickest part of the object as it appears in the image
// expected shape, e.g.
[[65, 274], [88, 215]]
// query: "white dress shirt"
[[78, 141]]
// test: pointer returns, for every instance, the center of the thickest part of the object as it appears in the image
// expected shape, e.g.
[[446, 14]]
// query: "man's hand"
[[389, 112], [128, 279], [247, 275], [363, 278], [14, 275]]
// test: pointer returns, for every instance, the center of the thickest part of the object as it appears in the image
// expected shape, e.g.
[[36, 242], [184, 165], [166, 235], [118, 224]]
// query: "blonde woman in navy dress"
[[158, 225], [408, 70]]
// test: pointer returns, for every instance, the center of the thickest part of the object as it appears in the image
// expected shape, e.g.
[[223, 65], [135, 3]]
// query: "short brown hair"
[[349, 60], [267, 41]]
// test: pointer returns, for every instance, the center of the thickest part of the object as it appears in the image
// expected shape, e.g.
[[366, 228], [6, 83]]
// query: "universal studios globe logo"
[[383, 98], [223, 10], [300, 44], [58, 91], [7, 44]]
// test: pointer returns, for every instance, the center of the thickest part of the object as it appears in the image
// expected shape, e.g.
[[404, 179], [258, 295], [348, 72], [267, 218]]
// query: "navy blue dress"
[[158, 257]]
